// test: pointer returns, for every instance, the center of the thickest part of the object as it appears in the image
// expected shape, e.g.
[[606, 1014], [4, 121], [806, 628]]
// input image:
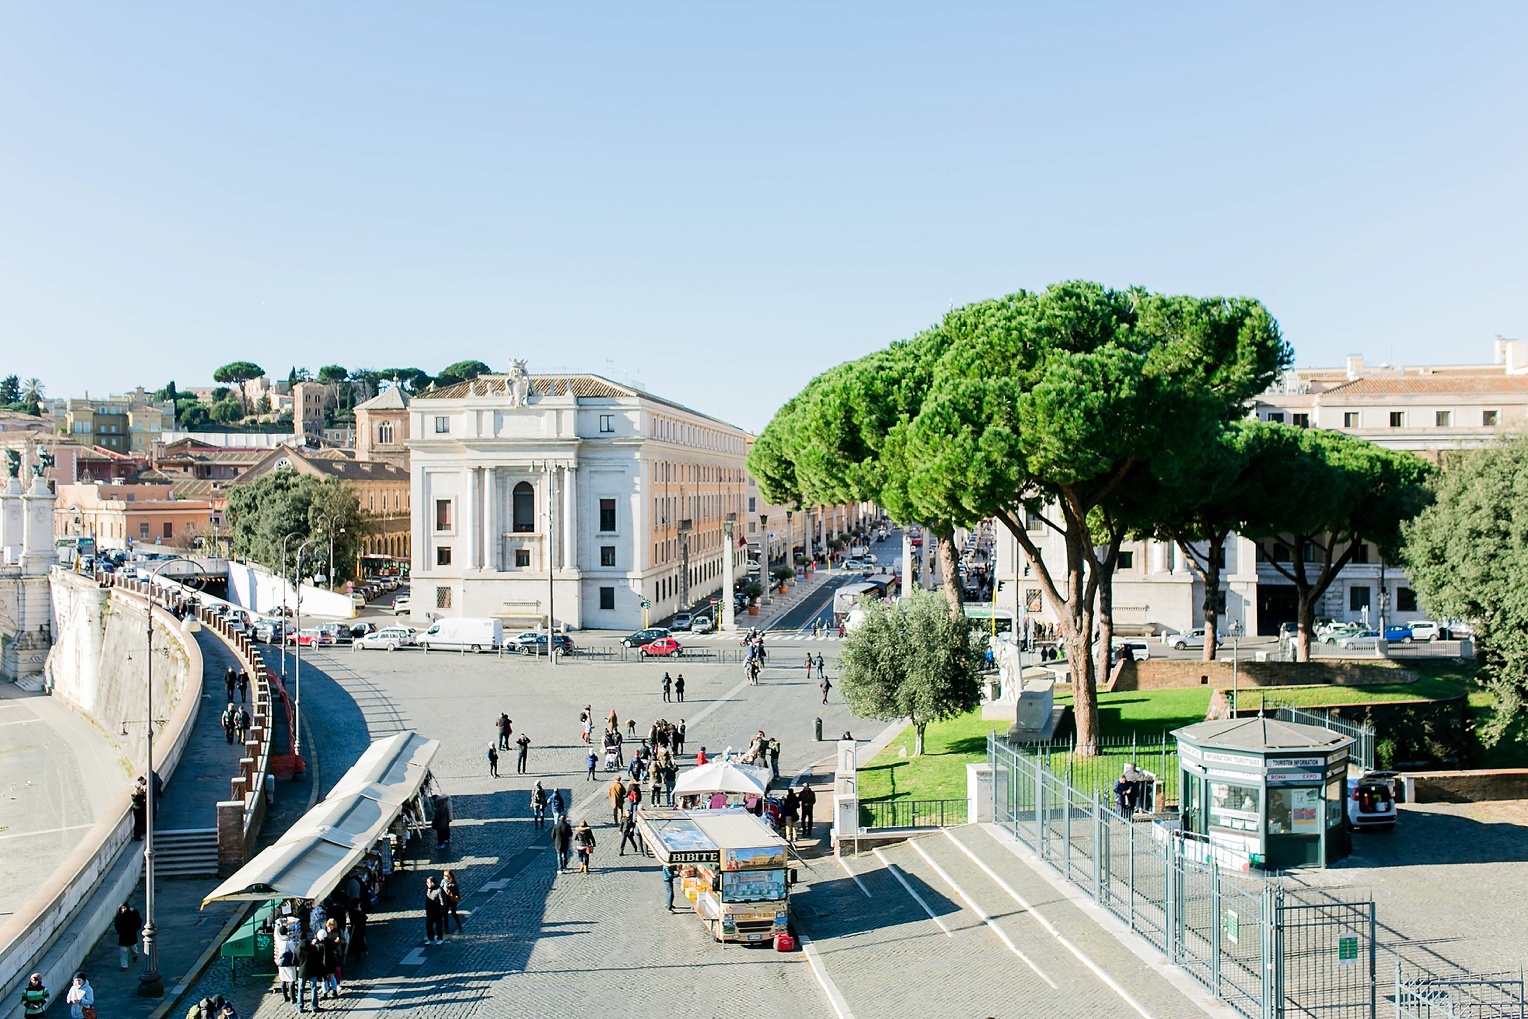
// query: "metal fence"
[[1362, 752], [1156, 753], [912, 813], [1246, 939], [1467, 996]]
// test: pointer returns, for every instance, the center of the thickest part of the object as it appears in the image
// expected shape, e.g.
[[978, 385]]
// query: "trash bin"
[[817, 729]]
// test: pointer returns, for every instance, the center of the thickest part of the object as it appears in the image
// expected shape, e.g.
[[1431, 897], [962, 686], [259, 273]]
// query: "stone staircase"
[[186, 852]]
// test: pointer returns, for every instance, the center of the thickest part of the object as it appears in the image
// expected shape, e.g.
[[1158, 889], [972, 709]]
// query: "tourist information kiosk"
[[1263, 792], [729, 865]]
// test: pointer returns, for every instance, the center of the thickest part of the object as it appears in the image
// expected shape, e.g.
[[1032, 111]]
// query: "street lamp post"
[[764, 556], [286, 582], [1236, 631], [297, 656], [150, 984]]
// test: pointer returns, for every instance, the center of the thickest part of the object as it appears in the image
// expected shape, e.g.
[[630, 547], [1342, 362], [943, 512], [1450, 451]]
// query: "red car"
[[310, 638], [663, 647]]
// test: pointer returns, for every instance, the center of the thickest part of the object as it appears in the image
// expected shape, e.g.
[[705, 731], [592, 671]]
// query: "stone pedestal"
[[979, 793]]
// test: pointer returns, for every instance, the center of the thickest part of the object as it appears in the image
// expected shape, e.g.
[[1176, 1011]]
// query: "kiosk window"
[[1335, 801], [753, 885], [1294, 811], [1235, 807]]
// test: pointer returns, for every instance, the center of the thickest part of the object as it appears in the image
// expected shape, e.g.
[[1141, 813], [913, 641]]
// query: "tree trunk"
[[1106, 628], [918, 728], [1214, 566], [949, 572], [1306, 620]]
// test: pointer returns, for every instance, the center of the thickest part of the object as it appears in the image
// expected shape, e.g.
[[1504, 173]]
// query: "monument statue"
[[13, 463], [44, 461], [518, 385]]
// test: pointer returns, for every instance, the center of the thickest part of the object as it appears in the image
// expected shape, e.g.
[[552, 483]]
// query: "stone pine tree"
[[1467, 555], [1314, 500], [910, 659], [239, 373]]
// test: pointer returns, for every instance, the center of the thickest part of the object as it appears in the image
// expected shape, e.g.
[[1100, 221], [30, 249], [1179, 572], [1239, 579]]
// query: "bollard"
[[817, 729]]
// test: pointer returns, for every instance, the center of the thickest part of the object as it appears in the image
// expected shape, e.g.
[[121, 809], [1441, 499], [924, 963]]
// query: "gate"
[[1467, 996], [1326, 950]]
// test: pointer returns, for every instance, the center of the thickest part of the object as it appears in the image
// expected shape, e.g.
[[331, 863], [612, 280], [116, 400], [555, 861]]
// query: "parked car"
[[270, 631], [1426, 629], [338, 633], [663, 647], [1331, 633], [646, 636], [681, 621], [358, 630], [308, 638], [1371, 801], [854, 564], [1368, 638], [400, 605], [538, 647], [1191, 639], [389, 638], [358, 599], [1140, 649]]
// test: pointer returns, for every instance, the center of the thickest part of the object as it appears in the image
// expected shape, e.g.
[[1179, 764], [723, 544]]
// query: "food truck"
[[728, 864]]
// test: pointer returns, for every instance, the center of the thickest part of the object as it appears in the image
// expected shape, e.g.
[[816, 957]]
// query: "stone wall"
[[1161, 674], [1470, 786]]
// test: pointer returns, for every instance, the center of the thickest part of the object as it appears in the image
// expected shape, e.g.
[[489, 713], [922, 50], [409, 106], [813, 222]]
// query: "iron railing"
[[1362, 751], [1466, 996], [1156, 753], [912, 813]]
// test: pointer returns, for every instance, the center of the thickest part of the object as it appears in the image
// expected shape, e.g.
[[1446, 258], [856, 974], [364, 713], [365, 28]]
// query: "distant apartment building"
[[122, 515], [382, 427], [312, 404], [126, 423], [381, 488]]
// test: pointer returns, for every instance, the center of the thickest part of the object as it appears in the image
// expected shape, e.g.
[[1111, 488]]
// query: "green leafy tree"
[[461, 371], [263, 511], [227, 412], [169, 393], [1467, 555], [32, 396], [10, 390], [911, 659], [239, 373], [413, 380], [191, 414], [1314, 498], [332, 373]]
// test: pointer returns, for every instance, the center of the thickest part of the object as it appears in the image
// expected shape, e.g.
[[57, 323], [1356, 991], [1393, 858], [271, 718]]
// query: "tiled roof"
[[391, 398], [1378, 386], [591, 386]]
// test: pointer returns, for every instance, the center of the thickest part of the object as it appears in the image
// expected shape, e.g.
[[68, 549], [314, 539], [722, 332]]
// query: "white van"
[[466, 633]]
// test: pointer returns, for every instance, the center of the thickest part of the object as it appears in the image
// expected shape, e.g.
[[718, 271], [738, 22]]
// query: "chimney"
[[1499, 354], [1355, 365], [1514, 361]]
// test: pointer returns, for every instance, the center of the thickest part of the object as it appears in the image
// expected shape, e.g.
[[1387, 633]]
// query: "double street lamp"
[[150, 984], [297, 655]]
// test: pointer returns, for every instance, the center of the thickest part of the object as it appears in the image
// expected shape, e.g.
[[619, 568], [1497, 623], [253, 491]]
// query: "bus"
[[982, 615]]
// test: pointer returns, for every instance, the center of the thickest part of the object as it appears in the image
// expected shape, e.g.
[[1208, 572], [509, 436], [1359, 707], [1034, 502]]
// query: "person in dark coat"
[[435, 909], [505, 728], [357, 930], [230, 680], [493, 761], [584, 839], [128, 923], [808, 799], [562, 841], [629, 834], [668, 686], [243, 687], [310, 973], [140, 810], [524, 743], [679, 688]]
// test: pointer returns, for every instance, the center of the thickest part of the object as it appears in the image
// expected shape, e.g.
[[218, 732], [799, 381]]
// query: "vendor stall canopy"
[[336, 834], [723, 777]]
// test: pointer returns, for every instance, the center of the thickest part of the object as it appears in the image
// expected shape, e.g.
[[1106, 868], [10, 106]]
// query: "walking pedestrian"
[[34, 996], [617, 793], [357, 930], [679, 738], [655, 785], [586, 722], [310, 973], [808, 802], [140, 809], [524, 743], [230, 718], [774, 756], [562, 842], [556, 804], [538, 804], [809, 666], [788, 812], [589, 760], [334, 957], [668, 883], [493, 760], [127, 923], [434, 913], [822, 672], [668, 686], [583, 838], [243, 687], [679, 688], [505, 728], [629, 834], [453, 894], [230, 680], [241, 723], [81, 996], [442, 822], [633, 796], [284, 943], [826, 686]]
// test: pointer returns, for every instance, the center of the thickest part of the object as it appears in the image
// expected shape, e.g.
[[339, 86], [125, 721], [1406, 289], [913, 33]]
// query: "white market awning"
[[723, 777]]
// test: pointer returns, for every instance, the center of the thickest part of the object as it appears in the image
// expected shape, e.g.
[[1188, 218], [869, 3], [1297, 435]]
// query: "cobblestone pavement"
[[1448, 884]]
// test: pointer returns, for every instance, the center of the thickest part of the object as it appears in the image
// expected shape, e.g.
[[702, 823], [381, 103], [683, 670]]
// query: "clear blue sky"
[[724, 199]]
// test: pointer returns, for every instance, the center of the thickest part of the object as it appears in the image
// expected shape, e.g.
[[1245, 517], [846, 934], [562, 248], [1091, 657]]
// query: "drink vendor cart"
[[730, 867]]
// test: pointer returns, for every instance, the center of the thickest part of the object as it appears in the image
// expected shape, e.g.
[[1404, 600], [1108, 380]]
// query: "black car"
[[645, 636], [538, 646]]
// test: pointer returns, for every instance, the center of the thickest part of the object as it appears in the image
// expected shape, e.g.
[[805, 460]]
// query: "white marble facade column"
[[471, 543], [490, 519], [570, 517]]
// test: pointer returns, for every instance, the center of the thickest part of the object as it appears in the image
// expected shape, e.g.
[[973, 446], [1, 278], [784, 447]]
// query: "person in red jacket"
[[700, 758]]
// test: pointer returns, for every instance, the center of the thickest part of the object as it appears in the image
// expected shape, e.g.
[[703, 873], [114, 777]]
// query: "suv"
[[1371, 801], [642, 637]]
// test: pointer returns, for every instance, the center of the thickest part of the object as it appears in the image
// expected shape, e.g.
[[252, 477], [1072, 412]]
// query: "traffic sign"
[[713, 601]]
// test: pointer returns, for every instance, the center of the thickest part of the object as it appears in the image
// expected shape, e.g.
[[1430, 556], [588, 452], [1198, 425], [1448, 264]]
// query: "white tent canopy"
[[335, 835], [723, 777]]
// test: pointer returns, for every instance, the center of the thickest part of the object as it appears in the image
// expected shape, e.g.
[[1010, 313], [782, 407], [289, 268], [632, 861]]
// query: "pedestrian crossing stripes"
[[769, 635]]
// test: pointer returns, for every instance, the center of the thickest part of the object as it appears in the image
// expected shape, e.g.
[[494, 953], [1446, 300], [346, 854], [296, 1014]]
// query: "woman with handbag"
[[453, 897], [81, 998]]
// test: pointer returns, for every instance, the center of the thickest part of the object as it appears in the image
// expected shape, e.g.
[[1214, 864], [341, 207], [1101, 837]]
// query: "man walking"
[[617, 800], [538, 804], [229, 681], [590, 758], [434, 913], [826, 686], [127, 923], [243, 687], [493, 760], [629, 834], [524, 743], [822, 672], [808, 801], [788, 811], [679, 738], [505, 728], [774, 756], [230, 716], [668, 685], [241, 722], [679, 688], [562, 841]]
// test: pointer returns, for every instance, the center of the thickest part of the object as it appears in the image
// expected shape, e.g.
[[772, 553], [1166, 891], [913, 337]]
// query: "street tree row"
[[1102, 415]]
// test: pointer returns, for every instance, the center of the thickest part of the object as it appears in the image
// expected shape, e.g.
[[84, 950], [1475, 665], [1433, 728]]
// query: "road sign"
[[1347, 949], [713, 601]]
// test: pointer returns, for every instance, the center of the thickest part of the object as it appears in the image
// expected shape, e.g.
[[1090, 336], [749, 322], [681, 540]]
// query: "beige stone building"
[[120, 516], [382, 489]]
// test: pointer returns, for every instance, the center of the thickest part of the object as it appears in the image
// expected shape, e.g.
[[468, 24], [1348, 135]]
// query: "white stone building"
[[571, 494]]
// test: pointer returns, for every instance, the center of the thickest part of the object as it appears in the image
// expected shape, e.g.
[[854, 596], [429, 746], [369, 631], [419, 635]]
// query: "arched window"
[[524, 507], [385, 433]]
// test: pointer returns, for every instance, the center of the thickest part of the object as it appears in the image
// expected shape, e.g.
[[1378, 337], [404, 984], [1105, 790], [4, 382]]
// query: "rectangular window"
[[1281, 553], [1444, 418], [1033, 522], [442, 425], [607, 555], [1405, 599], [443, 597], [1358, 598], [1235, 807], [522, 558], [753, 505], [1488, 418], [143, 532], [607, 423], [1361, 553], [607, 598], [1350, 419], [1398, 419], [607, 515], [1300, 420], [442, 555], [1277, 417], [442, 514], [169, 531], [1126, 561]]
